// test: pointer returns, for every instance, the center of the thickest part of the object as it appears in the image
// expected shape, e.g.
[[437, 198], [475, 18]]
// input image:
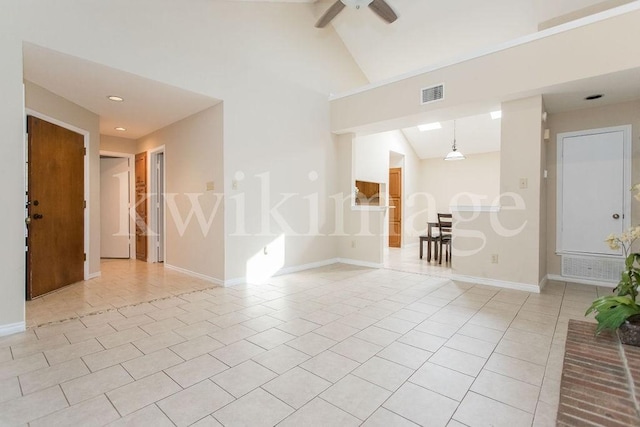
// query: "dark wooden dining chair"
[[445, 225]]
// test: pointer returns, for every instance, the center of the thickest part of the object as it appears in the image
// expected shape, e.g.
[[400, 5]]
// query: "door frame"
[[87, 196], [152, 157], [627, 165], [132, 191]]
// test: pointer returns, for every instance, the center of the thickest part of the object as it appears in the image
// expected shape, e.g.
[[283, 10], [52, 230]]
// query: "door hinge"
[[84, 257], [84, 151], [84, 204]]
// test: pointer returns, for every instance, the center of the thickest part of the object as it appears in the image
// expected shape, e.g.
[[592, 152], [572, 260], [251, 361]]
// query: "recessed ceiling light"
[[115, 98], [496, 114], [430, 126], [592, 97], [120, 129]]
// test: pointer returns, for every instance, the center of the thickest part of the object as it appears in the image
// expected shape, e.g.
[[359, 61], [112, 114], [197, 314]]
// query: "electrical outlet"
[[494, 258], [210, 186], [524, 183], [266, 252], [353, 243]]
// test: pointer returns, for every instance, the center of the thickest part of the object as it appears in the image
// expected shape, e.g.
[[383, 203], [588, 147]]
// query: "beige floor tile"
[[311, 343], [23, 365], [49, 343], [131, 397], [470, 345], [197, 329], [480, 332], [30, 407], [421, 406], [296, 387], [148, 416], [507, 390], [151, 363], [88, 333], [233, 334], [113, 356], [356, 396], [337, 331], [131, 322], [195, 370], [123, 337], [298, 327], [54, 375], [385, 418], [378, 336], [238, 352], [318, 413], [412, 315], [516, 368], [550, 392], [162, 326], [256, 409], [19, 338], [166, 313], [357, 321], [196, 347], [441, 330], [149, 344], [382, 372], [528, 352], [281, 358], [5, 354], [330, 366], [545, 415], [458, 361], [271, 338], [406, 355], [88, 386], [356, 349], [198, 401], [262, 323], [243, 378], [321, 317], [444, 381], [422, 340], [73, 351], [207, 422], [394, 324], [9, 389], [95, 412], [101, 318], [59, 328], [476, 410]]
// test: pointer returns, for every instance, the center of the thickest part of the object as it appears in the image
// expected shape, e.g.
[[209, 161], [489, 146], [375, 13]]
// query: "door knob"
[[37, 216], [616, 216]]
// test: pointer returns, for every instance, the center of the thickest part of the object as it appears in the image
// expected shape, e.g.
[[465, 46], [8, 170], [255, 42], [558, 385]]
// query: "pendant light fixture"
[[454, 154]]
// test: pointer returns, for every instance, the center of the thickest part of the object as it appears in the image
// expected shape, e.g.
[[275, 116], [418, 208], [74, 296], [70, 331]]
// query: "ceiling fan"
[[379, 7]]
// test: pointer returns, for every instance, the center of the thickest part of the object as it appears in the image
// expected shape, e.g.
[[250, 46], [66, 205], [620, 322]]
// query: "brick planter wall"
[[600, 379]]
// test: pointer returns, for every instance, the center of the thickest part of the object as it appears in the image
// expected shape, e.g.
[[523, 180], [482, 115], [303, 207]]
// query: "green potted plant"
[[621, 311]]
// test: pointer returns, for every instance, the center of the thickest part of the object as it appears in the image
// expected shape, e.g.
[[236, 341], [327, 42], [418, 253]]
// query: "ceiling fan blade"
[[383, 10], [331, 13]]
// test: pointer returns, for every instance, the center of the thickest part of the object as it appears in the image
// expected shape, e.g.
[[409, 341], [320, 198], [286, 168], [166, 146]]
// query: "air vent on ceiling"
[[432, 94]]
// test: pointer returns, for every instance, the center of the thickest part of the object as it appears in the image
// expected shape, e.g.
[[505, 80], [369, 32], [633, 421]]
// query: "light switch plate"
[[210, 186]]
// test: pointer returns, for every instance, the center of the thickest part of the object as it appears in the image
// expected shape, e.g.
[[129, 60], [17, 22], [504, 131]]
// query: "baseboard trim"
[[194, 274], [543, 282], [560, 278], [498, 283], [360, 263], [12, 328], [287, 270], [94, 275]]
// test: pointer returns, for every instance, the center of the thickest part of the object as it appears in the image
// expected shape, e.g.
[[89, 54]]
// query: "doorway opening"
[[395, 189], [157, 226], [116, 216]]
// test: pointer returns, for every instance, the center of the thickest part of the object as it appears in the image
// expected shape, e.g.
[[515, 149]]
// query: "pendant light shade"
[[454, 154]]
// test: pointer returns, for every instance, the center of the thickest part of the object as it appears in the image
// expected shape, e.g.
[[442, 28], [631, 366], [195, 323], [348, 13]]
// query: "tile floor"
[[334, 346]]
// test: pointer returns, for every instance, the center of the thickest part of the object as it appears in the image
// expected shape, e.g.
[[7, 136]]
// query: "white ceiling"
[[148, 105], [426, 33]]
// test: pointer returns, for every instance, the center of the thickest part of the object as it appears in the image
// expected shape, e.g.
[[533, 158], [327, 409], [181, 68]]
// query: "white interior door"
[[593, 190], [114, 208]]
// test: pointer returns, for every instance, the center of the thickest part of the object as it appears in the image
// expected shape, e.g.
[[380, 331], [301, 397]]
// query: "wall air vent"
[[593, 268], [433, 94]]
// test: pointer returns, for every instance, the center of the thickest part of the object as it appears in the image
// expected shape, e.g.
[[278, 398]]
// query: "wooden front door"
[[395, 205], [141, 206], [55, 238]]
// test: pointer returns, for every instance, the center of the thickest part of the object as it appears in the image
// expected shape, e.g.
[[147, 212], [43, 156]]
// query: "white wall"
[[51, 105], [118, 145], [193, 153], [473, 181]]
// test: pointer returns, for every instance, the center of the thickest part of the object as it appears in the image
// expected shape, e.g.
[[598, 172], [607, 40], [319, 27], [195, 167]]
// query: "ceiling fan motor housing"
[[357, 4]]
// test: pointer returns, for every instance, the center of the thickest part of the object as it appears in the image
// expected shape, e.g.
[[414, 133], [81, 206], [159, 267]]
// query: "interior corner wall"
[[56, 107], [193, 157], [591, 118], [118, 145], [12, 185], [513, 234], [474, 181]]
